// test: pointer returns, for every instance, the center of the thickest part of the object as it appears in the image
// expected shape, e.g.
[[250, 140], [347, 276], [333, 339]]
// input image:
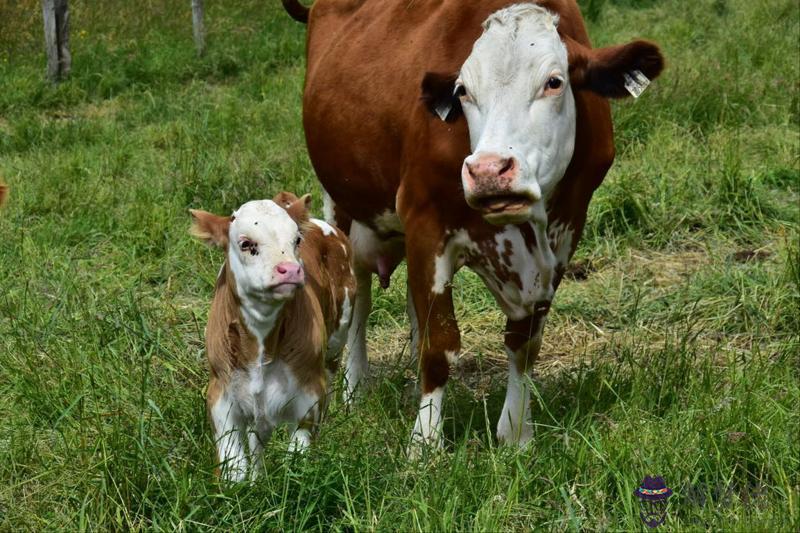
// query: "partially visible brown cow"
[[460, 133], [3, 193], [277, 325]]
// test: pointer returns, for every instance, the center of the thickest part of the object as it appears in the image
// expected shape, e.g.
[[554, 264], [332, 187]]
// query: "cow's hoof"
[[514, 434], [353, 395], [421, 448]]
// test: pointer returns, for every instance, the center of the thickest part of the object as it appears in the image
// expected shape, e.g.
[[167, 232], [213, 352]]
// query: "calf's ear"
[[298, 209], [209, 228], [606, 71], [438, 95], [284, 199]]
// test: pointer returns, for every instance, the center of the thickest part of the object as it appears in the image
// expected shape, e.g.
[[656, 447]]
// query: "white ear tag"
[[637, 83]]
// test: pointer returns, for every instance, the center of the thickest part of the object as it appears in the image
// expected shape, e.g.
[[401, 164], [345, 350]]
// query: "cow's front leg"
[[438, 340], [228, 424], [523, 339], [258, 436], [413, 324], [300, 439]]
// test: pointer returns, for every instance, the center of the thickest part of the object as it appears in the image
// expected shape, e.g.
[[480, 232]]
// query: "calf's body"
[[271, 355]]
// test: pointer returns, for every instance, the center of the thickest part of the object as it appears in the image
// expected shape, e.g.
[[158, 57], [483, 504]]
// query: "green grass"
[[678, 355]]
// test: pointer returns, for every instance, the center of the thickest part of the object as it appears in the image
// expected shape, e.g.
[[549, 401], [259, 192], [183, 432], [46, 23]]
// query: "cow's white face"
[[515, 94], [263, 243]]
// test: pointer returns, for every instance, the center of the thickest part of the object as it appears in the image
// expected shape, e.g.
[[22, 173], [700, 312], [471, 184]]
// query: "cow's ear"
[[298, 209], [209, 228], [438, 95], [613, 71]]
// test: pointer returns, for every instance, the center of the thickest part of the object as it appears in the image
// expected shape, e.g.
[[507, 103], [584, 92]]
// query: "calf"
[[277, 325]]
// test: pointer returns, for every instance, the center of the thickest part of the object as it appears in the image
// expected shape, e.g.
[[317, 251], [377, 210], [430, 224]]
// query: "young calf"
[[277, 325]]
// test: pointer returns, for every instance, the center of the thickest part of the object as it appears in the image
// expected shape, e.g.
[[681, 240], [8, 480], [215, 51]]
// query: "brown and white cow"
[[454, 134], [277, 325]]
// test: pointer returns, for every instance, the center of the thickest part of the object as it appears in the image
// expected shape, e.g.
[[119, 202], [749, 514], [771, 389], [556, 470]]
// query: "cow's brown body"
[[374, 147], [377, 151]]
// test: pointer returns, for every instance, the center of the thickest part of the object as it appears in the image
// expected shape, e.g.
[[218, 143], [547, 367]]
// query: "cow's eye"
[[553, 85], [247, 245], [297, 242]]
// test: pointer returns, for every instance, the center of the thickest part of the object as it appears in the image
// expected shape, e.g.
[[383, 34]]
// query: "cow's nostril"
[[471, 169], [508, 165], [281, 269]]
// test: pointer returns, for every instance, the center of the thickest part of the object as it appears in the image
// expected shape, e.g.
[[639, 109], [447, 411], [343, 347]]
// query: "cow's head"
[[261, 241], [516, 92]]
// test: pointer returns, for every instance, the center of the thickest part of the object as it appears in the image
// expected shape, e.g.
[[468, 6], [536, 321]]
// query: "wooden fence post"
[[56, 38], [198, 28]]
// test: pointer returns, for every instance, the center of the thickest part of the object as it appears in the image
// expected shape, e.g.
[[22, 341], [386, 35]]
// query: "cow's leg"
[[413, 323], [228, 425], [303, 432], [257, 437], [300, 440], [429, 278], [357, 363], [370, 254], [523, 339]]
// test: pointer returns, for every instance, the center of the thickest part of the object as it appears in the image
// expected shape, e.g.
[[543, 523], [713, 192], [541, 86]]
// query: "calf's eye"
[[248, 246], [297, 242]]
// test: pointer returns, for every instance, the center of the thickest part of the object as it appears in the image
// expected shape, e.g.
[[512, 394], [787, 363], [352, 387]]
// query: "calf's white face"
[[262, 251], [515, 94], [261, 239]]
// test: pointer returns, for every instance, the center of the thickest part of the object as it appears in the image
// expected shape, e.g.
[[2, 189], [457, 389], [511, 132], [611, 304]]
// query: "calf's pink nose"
[[288, 272]]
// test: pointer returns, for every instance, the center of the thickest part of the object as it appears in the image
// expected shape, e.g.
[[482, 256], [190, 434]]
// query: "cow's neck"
[[258, 317], [289, 330]]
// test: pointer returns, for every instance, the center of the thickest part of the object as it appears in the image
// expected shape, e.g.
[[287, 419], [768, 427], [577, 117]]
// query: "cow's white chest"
[[269, 394], [520, 275]]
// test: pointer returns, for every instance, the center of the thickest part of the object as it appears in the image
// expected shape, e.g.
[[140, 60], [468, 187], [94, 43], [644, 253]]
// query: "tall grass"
[[677, 355]]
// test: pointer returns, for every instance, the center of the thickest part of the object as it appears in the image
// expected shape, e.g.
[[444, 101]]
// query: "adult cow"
[[461, 134]]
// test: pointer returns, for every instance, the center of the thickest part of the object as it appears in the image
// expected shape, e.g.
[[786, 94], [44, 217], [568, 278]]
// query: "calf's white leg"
[[228, 430], [300, 440]]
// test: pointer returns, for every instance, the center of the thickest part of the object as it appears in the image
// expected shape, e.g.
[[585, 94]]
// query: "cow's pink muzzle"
[[491, 187]]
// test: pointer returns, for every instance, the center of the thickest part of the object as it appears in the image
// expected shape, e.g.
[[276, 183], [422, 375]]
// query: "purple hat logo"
[[653, 495]]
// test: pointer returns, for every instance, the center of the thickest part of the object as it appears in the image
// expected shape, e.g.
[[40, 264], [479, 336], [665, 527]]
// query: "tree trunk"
[[197, 26], [56, 38]]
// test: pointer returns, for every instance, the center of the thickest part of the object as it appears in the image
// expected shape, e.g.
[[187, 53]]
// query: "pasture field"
[[671, 350]]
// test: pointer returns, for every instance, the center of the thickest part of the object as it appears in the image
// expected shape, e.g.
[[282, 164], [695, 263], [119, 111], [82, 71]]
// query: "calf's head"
[[261, 241], [516, 92]]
